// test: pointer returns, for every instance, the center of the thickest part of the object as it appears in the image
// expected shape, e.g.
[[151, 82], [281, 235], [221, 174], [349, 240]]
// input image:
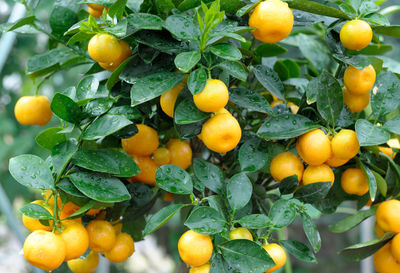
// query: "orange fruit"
[[205, 268], [33, 224], [33, 110], [147, 168], [359, 82], [126, 53], [387, 151], [101, 235], [168, 99], [96, 13], [213, 97], [122, 249], [321, 173], [356, 34], [240, 233], [336, 162], [195, 249], [314, 147], [278, 255], [145, 142], [355, 103], [104, 48], [180, 153], [286, 164], [354, 181], [76, 240], [384, 261], [388, 216], [162, 156], [378, 230], [345, 144], [88, 265]]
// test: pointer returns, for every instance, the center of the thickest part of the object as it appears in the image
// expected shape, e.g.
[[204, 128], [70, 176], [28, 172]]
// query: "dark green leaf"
[[254, 221], [369, 134], [62, 154], [226, 51], [65, 108], [299, 250], [181, 26], [392, 31], [371, 180], [357, 61], [270, 50], [66, 186], [253, 155], [36, 211], [50, 137], [313, 192], [114, 77], [352, 221], [172, 178], [104, 126], [205, 220], [161, 217], [239, 190], [289, 184], [249, 100], [197, 80], [235, 69], [209, 175], [185, 61], [282, 213], [270, 80], [186, 112], [317, 8], [393, 125], [22, 22], [385, 99], [311, 232], [98, 107], [145, 21]]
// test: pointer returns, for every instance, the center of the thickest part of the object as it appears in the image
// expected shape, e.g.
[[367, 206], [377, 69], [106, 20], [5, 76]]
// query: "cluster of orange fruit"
[[196, 250], [320, 153], [48, 246], [145, 151], [96, 10]]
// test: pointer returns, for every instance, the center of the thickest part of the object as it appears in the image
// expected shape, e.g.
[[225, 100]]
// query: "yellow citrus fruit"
[[168, 99], [240, 233], [33, 224], [126, 53], [162, 156], [88, 265], [359, 82], [44, 250], [33, 110], [96, 13], [76, 240], [395, 247], [96, 6], [205, 268], [169, 197], [355, 103], [273, 20], [388, 216], [68, 209], [104, 48], [336, 162], [180, 153], [122, 249], [145, 142], [354, 181], [101, 235], [93, 212], [314, 147], [286, 164], [384, 260], [378, 230], [213, 97], [387, 151], [345, 144], [221, 133], [147, 168], [195, 249], [356, 34], [278, 255], [321, 173]]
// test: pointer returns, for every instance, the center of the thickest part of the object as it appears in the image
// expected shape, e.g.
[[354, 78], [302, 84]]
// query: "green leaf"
[[154, 85], [145, 21], [308, 46], [104, 126], [87, 88], [311, 232], [352, 221], [182, 27], [235, 69], [117, 9], [106, 161], [254, 221], [282, 213], [371, 180], [392, 31], [161, 217], [329, 97], [317, 8], [98, 107], [313, 192], [246, 256], [299, 250], [205, 220], [36, 211], [61, 19], [160, 41], [247, 8], [239, 190], [285, 126], [172, 178], [270, 80], [31, 171], [358, 61], [249, 100], [62, 154], [270, 50], [185, 61], [385, 99], [66, 186], [369, 134], [186, 112], [393, 125], [29, 20], [374, 49], [114, 77], [209, 175], [50, 137], [253, 155], [197, 80], [82, 209], [289, 184], [100, 187], [363, 250], [65, 108], [381, 183], [218, 265], [227, 52]]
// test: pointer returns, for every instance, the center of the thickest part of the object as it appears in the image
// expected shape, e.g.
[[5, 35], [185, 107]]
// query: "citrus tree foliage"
[[174, 40]]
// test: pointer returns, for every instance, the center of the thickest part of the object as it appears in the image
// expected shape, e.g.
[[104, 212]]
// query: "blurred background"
[[156, 254]]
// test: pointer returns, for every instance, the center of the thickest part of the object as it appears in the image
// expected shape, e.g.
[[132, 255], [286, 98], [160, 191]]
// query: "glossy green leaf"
[[357, 61], [186, 112], [114, 77], [299, 250], [161, 217], [313, 192], [145, 21], [235, 69], [253, 155], [205, 220], [50, 137], [239, 190], [393, 125], [36, 211], [270, 80], [62, 153], [66, 186], [392, 31], [65, 108], [181, 26], [104, 126], [270, 50], [369, 134], [311, 232], [385, 99], [352, 221], [249, 100], [226, 51], [289, 184], [254, 221], [371, 180], [317, 8], [209, 175], [98, 107], [282, 213], [197, 80], [29, 20], [185, 61], [172, 178]]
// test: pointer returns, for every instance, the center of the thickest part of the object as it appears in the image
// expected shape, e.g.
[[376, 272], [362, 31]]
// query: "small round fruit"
[[336, 162], [379, 231], [384, 260], [205, 268], [278, 255], [355, 103], [359, 82], [213, 97], [181, 153], [33, 224], [388, 216], [273, 20], [354, 181], [33, 110], [195, 249], [356, 34], [96, 13], [122, 249], [162, 156], [321, 173], [101, 235], [240, 233], [221, 133], [387, 151], [286, 164], [345, 144], [68, 209], [44, 250], [76, 240], [93, 212], [168, 99], [395, 247], [88, 265], [145, 142], [104, 48], [147, 168], [96, 6], [126, 53], [314, 147]]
